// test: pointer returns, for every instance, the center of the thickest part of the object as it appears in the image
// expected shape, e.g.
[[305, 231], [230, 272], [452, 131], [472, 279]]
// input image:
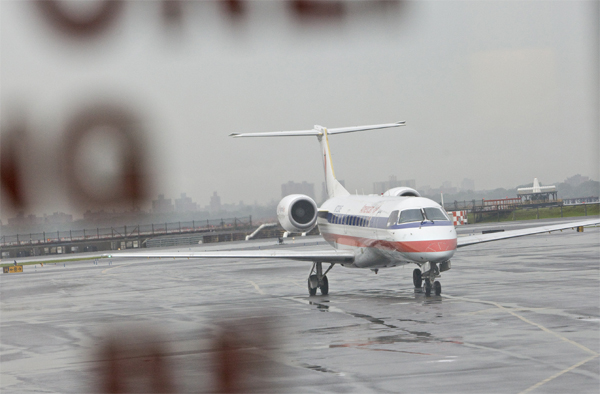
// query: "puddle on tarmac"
[[322, 369], [321, 307]]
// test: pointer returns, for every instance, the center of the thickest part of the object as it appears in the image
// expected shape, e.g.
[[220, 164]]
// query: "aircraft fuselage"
[[387, 231]]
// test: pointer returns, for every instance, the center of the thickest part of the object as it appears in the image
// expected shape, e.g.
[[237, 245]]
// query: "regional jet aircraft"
[[367, 231]]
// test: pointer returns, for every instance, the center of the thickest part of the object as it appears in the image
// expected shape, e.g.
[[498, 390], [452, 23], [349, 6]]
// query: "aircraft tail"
[[334, 188]]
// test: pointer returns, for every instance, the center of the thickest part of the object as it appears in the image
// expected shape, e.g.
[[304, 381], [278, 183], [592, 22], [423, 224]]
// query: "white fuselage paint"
[[360, 223]]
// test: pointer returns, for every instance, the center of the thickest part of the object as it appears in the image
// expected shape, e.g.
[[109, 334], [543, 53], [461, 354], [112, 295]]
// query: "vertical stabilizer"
[[536, 186], [334, 188]]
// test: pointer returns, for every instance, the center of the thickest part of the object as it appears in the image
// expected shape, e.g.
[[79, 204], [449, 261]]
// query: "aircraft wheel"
[[325, 286], [437, 288], [417, 279], [312, 291], [427, 287]]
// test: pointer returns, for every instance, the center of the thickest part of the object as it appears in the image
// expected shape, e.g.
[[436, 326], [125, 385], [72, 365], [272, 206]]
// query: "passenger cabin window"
[[435, 214], [411, 215], [392, 219]]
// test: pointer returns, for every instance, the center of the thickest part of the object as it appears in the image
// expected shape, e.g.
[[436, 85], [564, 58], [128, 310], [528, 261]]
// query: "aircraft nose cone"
[[441, 246], [447, 254]]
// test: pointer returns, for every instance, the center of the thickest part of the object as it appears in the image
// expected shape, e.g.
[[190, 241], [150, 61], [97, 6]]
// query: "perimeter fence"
[[120, 232]]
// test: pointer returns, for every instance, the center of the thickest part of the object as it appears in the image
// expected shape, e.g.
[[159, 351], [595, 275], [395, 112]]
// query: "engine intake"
[[297, 213]]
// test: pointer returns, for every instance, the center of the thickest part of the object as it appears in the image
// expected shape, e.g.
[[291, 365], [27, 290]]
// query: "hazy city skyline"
[[165, 204], [495, 92]]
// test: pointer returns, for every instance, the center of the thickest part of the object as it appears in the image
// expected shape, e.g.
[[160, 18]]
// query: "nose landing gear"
[[318, 280], [417, 278], [428, 273], [437, 287]]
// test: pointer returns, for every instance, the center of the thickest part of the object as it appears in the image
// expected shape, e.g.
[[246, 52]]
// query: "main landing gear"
[[437, 287], [427, 273], [318, 279]]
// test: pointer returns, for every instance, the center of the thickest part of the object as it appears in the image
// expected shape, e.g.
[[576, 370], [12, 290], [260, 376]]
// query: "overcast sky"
[[499, 92]]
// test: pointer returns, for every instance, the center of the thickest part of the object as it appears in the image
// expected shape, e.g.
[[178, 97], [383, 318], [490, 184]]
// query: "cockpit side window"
[[411, 215], [435, 214], [392, 219]]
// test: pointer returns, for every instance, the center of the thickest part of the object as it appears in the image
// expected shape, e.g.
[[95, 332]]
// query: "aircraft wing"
[[324, 256], [477, 239]]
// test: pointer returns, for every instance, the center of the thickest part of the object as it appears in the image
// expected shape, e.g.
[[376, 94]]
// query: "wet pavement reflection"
[[226, 326]]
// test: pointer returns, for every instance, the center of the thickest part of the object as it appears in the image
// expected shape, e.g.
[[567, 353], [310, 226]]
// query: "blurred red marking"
[[10, 170], [70, 24], [317, 8], [234, 8], [135, 365], [134, 183]]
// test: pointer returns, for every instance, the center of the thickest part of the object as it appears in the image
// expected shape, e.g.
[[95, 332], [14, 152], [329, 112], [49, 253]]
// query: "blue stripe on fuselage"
[[379, 222]]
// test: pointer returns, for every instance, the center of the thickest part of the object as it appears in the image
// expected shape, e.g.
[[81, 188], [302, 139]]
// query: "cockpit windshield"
[[392, 219], [411, 215], [435, 214], [419, 215]]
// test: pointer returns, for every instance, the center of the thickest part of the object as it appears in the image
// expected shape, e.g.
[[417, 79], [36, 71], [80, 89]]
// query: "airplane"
[[536, 192], [373, 232]]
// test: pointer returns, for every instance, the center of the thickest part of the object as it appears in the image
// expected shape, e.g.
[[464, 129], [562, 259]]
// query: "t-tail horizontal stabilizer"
[[334, 188], [317, 131]]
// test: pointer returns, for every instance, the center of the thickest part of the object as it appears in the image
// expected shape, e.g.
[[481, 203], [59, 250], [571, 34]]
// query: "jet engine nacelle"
[[297, 213], [402, 192]]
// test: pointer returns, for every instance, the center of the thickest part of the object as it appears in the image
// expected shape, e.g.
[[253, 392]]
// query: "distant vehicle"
[[366, 231]]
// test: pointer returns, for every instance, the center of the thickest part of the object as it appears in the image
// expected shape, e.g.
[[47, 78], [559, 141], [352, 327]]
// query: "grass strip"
[[532, 214]]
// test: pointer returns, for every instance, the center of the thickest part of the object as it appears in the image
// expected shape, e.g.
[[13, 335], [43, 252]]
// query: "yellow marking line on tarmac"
[[580, 346], [561, 337], [118, 266], [495, 310], [579, 364], [256, 287], [297, 284]]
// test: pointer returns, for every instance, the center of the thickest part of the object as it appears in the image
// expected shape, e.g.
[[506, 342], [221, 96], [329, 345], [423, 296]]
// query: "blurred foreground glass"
[[238, 355]]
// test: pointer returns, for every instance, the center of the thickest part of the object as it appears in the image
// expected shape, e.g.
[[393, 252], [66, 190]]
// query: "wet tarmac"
[[515, 316]]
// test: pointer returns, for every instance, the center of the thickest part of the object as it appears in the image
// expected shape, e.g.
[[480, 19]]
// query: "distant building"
[[21, 220], [425, 189], [467, 184], [298, 188], [185, 204], [447, 188], [215, 203], [576, 180], [99, 216], [58, 218], [162, 205], [382, 187]]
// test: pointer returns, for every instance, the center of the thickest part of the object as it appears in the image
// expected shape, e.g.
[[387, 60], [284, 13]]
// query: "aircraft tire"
[[417, 279], [325, 287], [427, 287], [311, 291], [437, 288]]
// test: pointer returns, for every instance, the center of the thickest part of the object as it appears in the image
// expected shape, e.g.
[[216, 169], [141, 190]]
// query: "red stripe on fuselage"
[[429, 246]]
